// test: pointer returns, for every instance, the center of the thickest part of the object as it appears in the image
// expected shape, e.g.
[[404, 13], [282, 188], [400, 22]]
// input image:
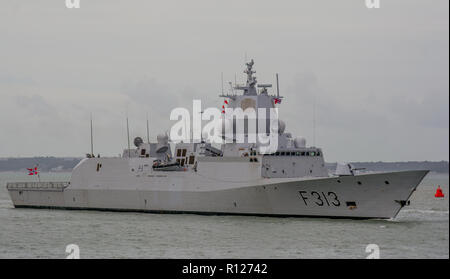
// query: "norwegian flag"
[[33, 171], [277, 101], [223, 106]]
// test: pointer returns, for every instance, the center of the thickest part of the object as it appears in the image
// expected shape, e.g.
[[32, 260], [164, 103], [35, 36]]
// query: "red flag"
[[226, 102], [223, 107], [277, 100]]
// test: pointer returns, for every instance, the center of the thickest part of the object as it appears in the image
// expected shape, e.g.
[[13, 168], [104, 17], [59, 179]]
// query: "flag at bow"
[[277, 101]]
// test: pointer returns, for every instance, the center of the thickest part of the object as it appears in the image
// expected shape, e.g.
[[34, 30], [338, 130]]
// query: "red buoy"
[[439, 193]]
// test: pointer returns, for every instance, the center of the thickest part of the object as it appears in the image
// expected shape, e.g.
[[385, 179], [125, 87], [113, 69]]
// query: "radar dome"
[[300, 142], [138, 141]]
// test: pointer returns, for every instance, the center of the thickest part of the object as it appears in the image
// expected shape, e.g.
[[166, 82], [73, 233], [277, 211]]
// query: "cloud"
[[6, 78], [378, 79], [35, 104]]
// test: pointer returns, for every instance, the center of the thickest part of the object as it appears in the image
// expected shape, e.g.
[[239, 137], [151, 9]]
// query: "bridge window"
[[184, 152], [191, 160], [178, 152]]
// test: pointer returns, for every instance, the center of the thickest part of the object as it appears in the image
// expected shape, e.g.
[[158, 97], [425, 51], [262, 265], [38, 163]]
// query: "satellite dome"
[[138, 141], [300, 142]]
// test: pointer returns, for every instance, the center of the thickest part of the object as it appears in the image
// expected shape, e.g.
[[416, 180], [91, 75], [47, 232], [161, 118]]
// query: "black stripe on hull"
[[198, 212]]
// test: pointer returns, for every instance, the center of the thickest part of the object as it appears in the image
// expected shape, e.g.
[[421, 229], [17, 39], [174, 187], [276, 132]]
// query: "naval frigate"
[[233, 178]]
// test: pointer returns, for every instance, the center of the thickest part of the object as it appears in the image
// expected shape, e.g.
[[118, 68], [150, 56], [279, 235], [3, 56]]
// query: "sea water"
[[421, 230]]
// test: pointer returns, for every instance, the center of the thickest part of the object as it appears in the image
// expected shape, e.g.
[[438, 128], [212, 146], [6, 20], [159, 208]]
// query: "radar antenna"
[[128, 138], [148, 132], [251, 80], [278, 88]]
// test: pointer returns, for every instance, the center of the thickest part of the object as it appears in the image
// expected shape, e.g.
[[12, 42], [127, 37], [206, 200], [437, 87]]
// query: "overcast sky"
[[380, 77]]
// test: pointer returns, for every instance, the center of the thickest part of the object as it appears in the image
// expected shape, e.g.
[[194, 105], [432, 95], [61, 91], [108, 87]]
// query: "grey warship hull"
[[379, 195]]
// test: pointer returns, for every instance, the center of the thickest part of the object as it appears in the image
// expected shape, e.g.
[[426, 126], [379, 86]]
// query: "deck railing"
[[37, 186]]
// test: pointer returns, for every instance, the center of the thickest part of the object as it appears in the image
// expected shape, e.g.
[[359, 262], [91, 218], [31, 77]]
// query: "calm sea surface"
[[420, 231]]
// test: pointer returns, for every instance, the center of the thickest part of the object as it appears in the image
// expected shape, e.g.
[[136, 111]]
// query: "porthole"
[[386, 182], [359, 183]]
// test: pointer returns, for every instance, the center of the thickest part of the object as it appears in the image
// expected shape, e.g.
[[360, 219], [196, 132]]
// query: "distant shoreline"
[[66, 164]]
